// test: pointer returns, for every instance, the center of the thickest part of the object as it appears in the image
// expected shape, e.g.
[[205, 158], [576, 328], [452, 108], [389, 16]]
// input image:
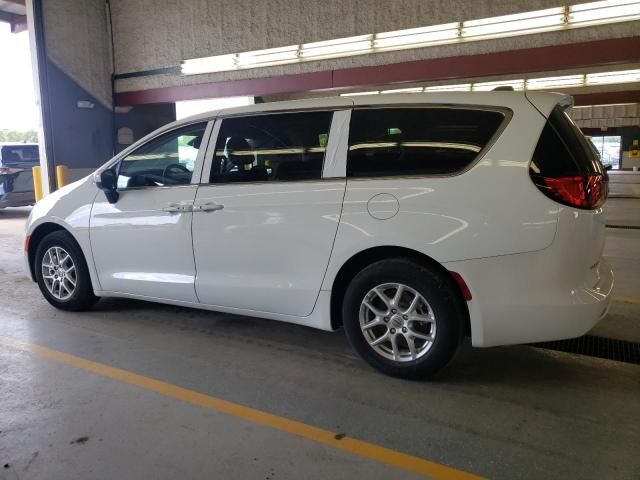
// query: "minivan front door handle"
[[208, 207]]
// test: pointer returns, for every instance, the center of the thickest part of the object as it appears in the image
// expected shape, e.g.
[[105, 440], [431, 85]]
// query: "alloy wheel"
[[397, 322], [59, 273]]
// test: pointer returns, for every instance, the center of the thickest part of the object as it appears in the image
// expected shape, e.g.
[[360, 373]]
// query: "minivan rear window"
[[418, 141], [14, 154]]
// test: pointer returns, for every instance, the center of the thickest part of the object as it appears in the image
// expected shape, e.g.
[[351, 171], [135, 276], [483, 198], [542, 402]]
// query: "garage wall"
[[76, 86], [83, 135], [76, 33], [151, 34]]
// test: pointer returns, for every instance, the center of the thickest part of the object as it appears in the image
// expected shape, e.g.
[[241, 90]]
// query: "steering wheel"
[[176, 167]]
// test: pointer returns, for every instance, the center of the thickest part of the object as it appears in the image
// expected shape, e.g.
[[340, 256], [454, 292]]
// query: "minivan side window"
[[275, 147], [164, 161], [417, 141]]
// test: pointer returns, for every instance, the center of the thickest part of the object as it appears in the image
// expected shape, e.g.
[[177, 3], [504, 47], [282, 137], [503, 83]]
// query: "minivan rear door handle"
[[208, 207], [173, 207]]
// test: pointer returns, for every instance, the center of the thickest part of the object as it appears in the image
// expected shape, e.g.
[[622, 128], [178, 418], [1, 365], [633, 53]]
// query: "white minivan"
[[412, 220]]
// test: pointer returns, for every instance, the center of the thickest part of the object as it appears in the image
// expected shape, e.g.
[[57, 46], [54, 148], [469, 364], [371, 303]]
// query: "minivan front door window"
[[165, 161]]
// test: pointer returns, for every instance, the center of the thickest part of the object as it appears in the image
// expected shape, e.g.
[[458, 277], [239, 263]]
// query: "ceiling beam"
[[515, 62]]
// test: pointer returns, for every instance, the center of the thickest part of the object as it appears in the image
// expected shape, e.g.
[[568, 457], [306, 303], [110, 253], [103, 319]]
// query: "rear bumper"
[[16, 190], [17, 199], [519, 299]]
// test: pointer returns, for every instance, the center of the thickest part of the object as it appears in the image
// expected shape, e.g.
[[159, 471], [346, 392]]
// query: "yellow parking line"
[[348, 444], [633, 300]]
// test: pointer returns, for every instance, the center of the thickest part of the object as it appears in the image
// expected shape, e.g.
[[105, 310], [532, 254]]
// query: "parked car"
[[16, 178], [410, 220]]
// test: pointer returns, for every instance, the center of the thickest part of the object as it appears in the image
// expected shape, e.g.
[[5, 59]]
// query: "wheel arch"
[[36, 237], [366, 257]]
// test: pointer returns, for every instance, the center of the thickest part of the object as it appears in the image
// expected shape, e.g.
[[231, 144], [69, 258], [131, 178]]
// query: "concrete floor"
[[509, 412]]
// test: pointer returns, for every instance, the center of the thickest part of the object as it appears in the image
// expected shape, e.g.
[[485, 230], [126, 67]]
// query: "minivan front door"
[[263, 228], [142, 243]]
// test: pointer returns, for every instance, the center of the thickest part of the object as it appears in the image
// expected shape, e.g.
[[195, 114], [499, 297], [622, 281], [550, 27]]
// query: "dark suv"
[[16, 177]]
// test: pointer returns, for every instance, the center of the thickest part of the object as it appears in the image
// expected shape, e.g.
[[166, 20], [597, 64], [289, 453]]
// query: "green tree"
[[29, 136]]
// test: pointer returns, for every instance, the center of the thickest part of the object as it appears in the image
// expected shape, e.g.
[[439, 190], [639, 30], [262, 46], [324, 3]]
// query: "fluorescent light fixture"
[[607, 11], [270, 56], [624, 76], [488, 86], [536, 21], [219, 63], [463, 87], [529, 22], [566, 81], [416, 37], [336, 48]]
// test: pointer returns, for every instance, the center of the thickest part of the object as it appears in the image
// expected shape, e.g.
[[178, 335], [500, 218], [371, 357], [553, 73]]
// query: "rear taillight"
[[580, 191], [464, 288], [566, 167]]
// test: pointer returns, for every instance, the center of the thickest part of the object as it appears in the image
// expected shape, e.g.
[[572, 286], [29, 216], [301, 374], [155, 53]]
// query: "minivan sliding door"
[[267, 212]]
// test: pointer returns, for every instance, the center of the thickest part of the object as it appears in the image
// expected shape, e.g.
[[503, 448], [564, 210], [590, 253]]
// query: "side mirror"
[[108, 183], [608, 167]]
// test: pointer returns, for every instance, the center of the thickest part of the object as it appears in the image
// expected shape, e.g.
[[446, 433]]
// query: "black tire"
[[438, 290], [82, 297]]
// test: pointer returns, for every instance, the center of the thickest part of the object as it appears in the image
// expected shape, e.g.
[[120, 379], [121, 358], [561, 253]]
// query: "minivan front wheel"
[[404, 319], [62, 273]]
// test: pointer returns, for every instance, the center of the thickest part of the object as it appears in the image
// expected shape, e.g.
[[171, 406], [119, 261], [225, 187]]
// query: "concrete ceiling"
[[14, 12]]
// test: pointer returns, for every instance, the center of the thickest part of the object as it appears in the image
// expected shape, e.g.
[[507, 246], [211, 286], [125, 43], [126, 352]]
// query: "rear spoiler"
[[546, 102]]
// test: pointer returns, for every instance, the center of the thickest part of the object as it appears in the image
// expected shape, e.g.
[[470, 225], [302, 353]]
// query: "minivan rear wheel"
[[404, 319], [62, 274]]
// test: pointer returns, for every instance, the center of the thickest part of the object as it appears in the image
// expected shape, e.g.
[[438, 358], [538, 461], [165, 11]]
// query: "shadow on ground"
[[19, 212], [516, 366]]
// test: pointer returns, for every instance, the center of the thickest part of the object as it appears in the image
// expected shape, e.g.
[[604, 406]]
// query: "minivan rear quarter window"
[[418, 141]]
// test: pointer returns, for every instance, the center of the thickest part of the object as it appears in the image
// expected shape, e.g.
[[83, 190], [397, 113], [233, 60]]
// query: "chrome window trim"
[[274, 182], [505, 111], [156, 187]]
